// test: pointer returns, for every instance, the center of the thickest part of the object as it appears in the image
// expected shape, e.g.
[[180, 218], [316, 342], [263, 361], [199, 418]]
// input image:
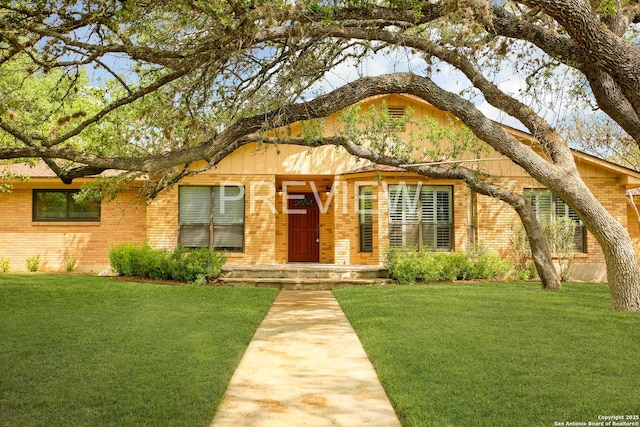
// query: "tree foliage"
[[179, 82], [600, 136]]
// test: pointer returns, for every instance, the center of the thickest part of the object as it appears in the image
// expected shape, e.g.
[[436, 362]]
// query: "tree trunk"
[[539, 247], [623, 272]]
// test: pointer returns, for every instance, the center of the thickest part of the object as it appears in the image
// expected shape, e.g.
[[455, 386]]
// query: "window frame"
[[581, 231], [412, 224], [212, 224], [68, 197], [365, 218]]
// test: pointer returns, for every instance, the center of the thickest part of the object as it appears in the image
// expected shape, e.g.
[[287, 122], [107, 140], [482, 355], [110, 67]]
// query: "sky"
[[447, 78]]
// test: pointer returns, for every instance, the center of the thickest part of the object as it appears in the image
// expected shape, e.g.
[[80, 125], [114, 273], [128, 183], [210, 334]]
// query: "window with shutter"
[[549, 207], [420, 216], [194, 213], [211, 217], [542, 201], [395, 216], [436, 218], [562, 210], [365, 215]]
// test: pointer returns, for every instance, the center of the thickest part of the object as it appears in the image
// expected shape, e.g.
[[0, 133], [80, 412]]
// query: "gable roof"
[[39, 169], [629, 177]]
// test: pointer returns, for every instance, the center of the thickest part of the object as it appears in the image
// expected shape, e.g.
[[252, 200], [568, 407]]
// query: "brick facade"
[[57, 243], [260, 220], [262, 171]]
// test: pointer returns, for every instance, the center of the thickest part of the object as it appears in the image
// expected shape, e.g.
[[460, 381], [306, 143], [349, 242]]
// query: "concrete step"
[[304, 271], [315, 284]]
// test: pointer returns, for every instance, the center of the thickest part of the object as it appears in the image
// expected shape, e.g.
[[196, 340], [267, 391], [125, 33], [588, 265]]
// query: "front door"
[[304, 228]]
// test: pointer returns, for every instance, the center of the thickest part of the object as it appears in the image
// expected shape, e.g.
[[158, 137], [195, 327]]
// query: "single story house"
[[267, 205]]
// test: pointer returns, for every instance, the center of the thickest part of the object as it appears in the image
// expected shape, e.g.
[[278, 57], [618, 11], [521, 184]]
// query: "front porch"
[[303, 276]]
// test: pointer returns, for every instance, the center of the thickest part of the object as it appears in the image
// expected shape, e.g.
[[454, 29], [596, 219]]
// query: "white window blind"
[[436, 218], [420, 216], [212, 217], [228, 218], [549, 208], [365, 202], [195, 205]]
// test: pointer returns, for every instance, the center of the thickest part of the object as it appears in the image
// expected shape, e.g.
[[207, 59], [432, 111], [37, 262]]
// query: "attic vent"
[[396, 114]]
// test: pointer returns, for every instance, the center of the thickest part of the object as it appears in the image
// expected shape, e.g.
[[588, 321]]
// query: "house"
[[268, 205]]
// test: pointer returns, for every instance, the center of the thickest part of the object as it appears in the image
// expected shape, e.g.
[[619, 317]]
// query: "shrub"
[[71, 264], [521, 253], [404, 269], [33, 263], [485, 264], [406, 265], [559, 235], [196, 265], [123, 259], [199, 265], [4, 265]]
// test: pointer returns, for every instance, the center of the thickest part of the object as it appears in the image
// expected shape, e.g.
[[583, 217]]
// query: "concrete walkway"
[[305, 367]]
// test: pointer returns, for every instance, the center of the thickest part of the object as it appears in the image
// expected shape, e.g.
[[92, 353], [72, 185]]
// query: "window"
[[365, 217], [549, 208], [212, 217], [420, 216], [60, 205]]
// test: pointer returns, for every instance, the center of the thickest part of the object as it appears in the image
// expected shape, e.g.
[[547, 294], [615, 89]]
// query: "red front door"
[[304, 228]]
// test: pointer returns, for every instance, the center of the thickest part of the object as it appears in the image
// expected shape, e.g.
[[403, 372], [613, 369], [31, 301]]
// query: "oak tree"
[[190, 80]]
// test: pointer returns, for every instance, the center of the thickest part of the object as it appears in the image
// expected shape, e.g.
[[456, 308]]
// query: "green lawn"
[[88, 351], [499, 354]]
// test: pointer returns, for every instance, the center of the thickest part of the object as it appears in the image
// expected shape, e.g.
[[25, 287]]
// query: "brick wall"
[[122, 220], [260, 218], [633, 225], [497, 221], [131, 219], [327, 229]]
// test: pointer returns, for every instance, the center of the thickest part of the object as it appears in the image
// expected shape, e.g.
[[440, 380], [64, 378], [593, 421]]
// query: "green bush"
[[182, 264], [33, 263], [71, 264], [560, 236], [485, 264], [4, 265], [196, 265], [406, 265], [123, 259]]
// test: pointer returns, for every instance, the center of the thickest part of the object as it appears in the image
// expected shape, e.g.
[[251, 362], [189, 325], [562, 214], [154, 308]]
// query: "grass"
[[88, 351], [499, 354]]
